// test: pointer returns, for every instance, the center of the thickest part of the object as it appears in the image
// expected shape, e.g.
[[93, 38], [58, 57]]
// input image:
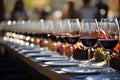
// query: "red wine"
[[108, 43], [44, 35], [61, 38], [89, 41], [25, 33], [53, 37], [38, 35], [71, 39]]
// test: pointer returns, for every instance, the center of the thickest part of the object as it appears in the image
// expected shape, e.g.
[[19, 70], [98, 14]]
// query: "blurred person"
[[35, 15], [45, 12], [56, 15], [114, 6], [87, 11], [102, 10], [71, 12], [18, 12], [2, 11]]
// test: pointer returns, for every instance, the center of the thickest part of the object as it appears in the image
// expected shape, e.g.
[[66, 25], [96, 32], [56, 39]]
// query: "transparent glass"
[[89, 35], [60, 36], [71, 28], [53, 36], [109, 37], [45, 31]]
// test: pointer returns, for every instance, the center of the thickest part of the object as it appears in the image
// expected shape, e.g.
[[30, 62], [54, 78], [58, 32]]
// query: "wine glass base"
[[109, 70]]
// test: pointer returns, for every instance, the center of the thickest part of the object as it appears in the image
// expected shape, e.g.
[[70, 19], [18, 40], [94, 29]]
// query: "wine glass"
[[109, 37], [55, 31], [45, 31], [60, 36], [71, 34], [89, 35]]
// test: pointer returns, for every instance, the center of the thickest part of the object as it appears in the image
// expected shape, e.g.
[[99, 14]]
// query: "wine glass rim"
[[108, 19], [72, 19], [89, 20]]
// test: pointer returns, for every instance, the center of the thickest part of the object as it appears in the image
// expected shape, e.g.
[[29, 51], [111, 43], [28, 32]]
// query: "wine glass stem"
[[55, 51], [46, 43], [89, 60], [108, 61], [71, 54], [63, 49]]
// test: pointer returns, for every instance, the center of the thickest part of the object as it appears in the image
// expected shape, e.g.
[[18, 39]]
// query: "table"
[[53, 72]]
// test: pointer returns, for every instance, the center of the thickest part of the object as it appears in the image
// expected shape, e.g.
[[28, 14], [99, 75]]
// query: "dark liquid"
[[89, 42], [61, 38], [108, 43], [71, 39], [25, 34], [53, 37], [44, 35], [38, 35]]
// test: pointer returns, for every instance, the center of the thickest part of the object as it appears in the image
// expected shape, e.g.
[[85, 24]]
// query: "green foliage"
[[99, 54]]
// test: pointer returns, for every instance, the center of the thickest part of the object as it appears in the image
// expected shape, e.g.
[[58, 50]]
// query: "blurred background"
[[52, 9]]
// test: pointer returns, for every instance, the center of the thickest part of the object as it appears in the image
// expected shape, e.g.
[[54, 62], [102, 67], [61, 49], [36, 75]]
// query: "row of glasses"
[[89, 33], [107, 34], [71, 31], [65, 31]]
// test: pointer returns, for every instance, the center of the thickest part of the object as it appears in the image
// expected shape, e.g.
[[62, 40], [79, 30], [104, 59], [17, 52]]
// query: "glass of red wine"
[[71, 34], [89, 35], [55, 35], [109, 37], [45, 31], [60, 36]]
